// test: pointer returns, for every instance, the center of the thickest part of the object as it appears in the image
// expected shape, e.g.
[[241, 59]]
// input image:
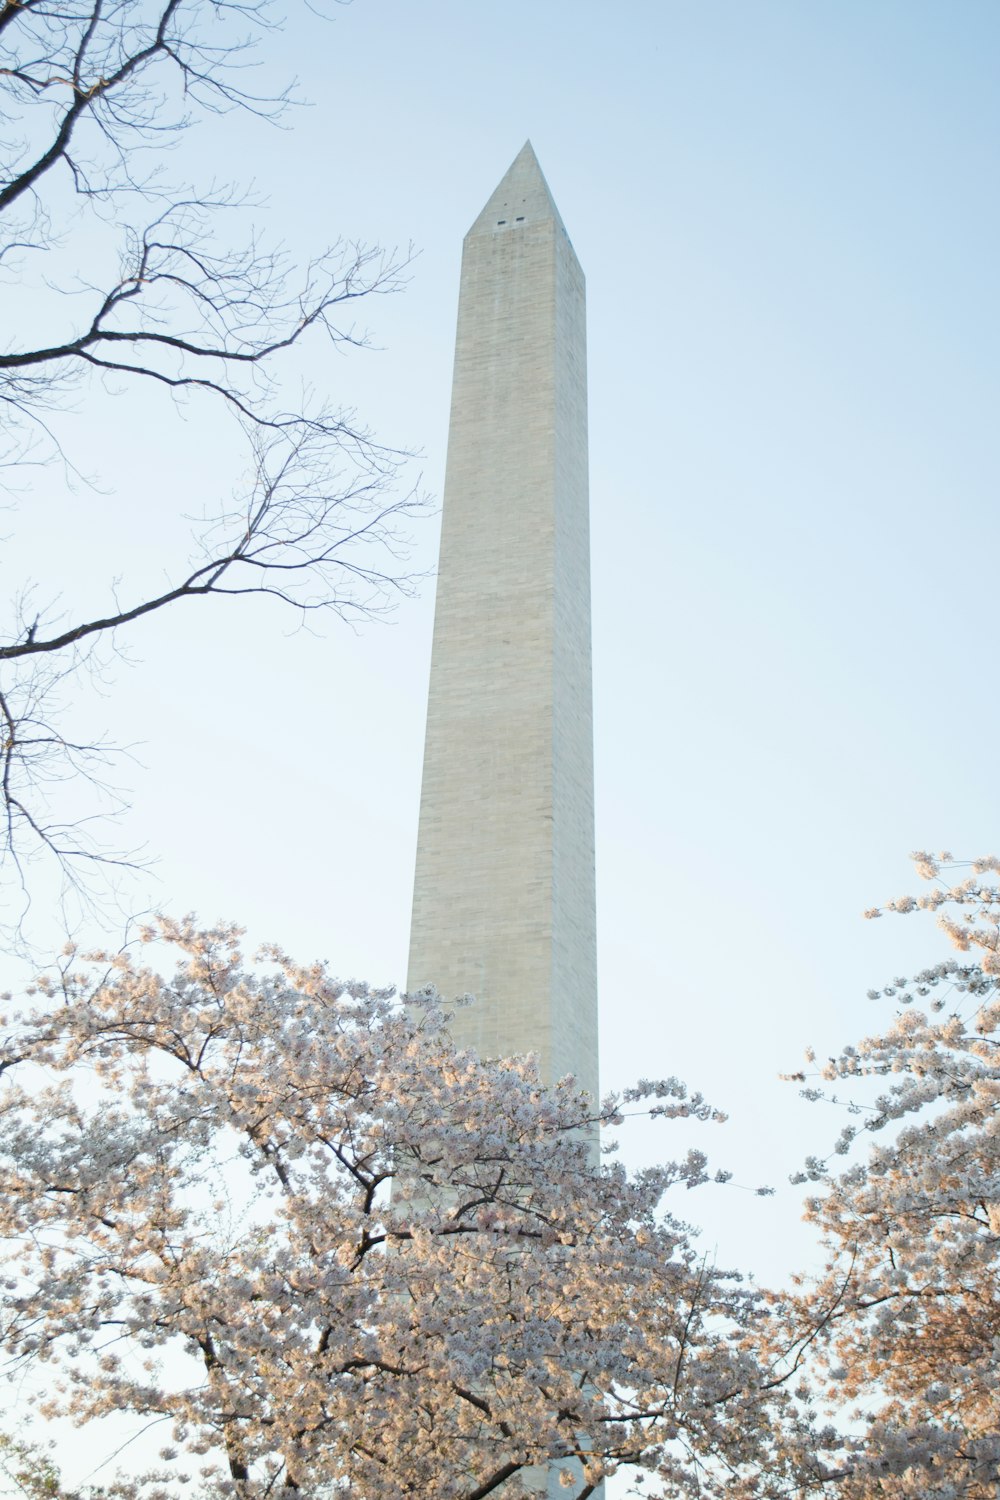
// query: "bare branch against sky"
[[144, 279]]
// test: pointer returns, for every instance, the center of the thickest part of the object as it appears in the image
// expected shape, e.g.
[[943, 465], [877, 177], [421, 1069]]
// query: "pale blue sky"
[[787, 214]]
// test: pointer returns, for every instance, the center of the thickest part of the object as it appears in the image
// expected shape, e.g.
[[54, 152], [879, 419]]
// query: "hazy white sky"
[[787, 215]]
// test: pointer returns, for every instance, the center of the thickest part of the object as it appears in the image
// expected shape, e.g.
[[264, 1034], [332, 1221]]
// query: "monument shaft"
[[504, 894]]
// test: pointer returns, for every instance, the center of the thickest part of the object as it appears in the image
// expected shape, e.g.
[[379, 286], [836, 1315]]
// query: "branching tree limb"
[[93, 93], [526, 1324]]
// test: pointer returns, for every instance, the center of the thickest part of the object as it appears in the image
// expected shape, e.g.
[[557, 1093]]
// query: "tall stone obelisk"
[[503, 903]]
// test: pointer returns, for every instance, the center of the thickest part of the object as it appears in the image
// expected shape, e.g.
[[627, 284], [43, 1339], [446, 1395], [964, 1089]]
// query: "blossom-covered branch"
[[285, 1215], [905, 1321]]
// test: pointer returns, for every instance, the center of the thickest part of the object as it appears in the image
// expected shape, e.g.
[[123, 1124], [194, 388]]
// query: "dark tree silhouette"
[[93, 94]]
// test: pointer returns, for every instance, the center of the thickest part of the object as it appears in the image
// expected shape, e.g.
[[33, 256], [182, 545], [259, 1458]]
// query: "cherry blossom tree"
[[285, 1223], [905, 1320]]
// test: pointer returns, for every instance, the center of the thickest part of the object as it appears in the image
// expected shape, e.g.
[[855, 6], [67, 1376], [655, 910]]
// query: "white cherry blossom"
[[905, 1322], [336, 1255]]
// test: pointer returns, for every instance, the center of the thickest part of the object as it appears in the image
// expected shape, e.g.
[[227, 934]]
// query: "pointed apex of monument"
[[522, 197]]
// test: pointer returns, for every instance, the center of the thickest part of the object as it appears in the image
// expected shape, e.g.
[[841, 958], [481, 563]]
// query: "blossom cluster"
[[330, 1251], [905, 1320]]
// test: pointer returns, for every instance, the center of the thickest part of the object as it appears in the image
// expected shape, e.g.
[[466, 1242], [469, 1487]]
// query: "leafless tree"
[[92, 95]]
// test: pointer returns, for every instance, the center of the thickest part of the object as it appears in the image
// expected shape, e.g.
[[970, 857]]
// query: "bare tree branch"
[[93, 93]]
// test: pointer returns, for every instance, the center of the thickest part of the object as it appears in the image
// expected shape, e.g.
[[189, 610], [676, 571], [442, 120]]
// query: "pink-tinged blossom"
[[338, 1255], [905, 1320]]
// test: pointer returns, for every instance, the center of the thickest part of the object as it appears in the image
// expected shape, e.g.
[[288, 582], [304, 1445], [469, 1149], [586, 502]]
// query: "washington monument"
[[503, 903]]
